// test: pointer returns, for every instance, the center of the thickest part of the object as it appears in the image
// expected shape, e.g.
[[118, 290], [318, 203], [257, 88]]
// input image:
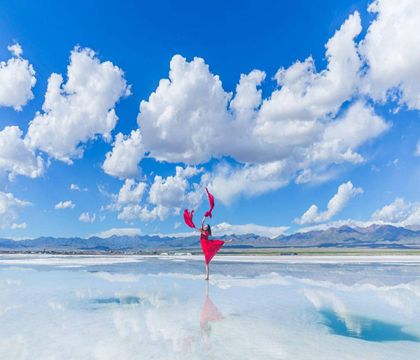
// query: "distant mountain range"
[[374, 236]]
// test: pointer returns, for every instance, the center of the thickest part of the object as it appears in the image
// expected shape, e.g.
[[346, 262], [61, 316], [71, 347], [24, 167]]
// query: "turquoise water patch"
[[365, 328]]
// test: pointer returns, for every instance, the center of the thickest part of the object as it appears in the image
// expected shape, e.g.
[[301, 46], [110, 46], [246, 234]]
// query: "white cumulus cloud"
[[345, 192], [168, 195], [67, 204], [16, 156], [191, 118], [87, 218], [18, 226], [186, 114], [290, 117], [9, 211], [163, 197], [17, 78], [340, 138], [227, 182], [76, 187], [391, 51], [400, 212], [297, 132], [80, 109], [170, 192], [131, 192], [123, 160]]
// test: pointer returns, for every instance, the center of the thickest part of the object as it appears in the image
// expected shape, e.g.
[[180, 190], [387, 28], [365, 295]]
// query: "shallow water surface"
[[83, 307]]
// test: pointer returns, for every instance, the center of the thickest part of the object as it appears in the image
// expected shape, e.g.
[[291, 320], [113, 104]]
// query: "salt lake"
[[160, 307]]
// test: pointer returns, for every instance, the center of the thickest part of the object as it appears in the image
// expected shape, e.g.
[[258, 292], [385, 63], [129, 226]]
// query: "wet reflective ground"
[[161, 308]]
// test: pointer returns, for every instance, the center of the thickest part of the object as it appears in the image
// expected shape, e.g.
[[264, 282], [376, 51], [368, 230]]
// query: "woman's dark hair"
[[209, 229]]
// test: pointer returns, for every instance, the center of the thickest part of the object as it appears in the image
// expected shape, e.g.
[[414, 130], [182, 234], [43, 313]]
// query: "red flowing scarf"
[[188, 215], [211, 201], [188, 218]]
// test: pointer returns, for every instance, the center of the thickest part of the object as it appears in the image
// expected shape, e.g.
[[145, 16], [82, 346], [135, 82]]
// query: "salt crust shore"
[[84, 260]]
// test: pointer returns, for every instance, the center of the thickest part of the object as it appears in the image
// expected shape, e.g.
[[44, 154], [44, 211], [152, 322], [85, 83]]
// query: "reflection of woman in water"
[[209, 247], [209, 313]]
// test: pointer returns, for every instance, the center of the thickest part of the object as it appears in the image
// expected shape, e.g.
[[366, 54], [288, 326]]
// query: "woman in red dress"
[[209, 247]]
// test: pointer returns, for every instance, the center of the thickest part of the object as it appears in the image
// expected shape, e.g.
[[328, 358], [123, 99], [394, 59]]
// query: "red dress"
[[210, 247]]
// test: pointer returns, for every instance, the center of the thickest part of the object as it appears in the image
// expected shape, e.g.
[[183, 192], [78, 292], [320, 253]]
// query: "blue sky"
[[305, 143]]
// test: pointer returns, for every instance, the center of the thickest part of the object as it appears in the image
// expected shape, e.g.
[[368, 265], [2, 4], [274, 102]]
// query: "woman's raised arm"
[[200, 229]]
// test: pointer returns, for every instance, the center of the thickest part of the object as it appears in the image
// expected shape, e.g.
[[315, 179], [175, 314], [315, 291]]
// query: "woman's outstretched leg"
[[207, 272]]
